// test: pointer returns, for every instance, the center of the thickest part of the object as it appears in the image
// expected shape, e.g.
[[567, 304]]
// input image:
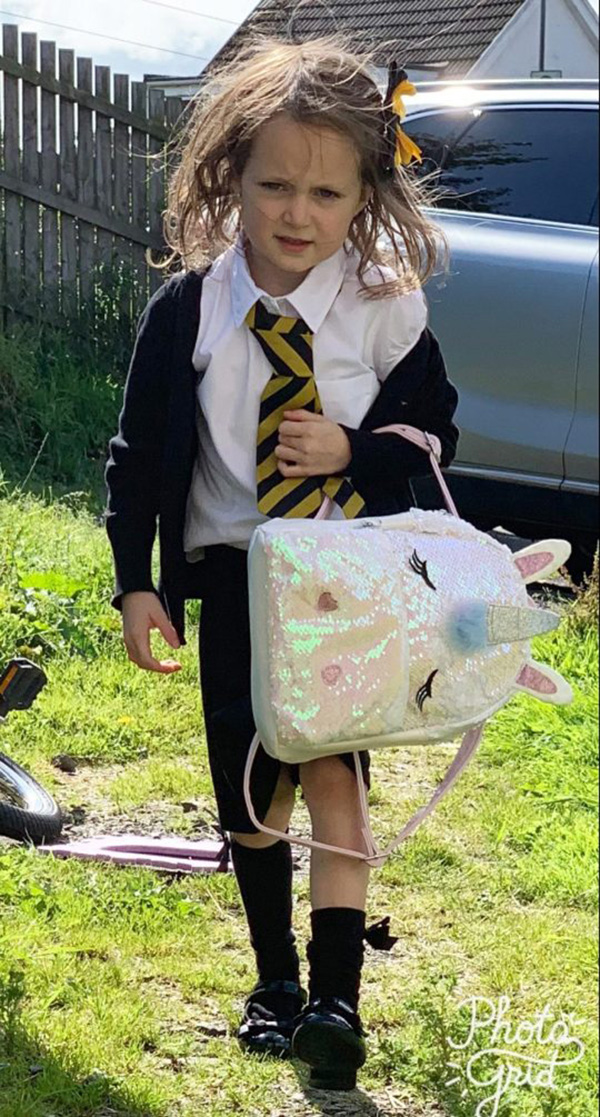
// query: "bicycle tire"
[[28, 813]]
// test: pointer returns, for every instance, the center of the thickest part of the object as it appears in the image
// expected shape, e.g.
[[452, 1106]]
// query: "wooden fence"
[[80, 197]]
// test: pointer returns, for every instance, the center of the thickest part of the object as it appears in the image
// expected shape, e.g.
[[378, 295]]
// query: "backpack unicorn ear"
[[544, 683], [542, 558]]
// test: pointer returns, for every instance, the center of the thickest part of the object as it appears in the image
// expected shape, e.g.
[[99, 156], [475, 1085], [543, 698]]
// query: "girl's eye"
[[328, 193], [420, 567], [272, 185]]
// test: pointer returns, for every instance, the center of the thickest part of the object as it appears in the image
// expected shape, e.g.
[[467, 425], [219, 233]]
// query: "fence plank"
[[2, 214], [49, 180], [31, 173], [12, 164], [156, 199], [85, 188], [122, 169], [103, 174], [139, 195], [68, 186]]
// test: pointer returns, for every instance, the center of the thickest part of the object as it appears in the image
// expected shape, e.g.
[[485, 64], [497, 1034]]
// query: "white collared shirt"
[[357, 342]]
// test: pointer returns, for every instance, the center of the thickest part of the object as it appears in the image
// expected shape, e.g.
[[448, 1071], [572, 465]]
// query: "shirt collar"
[[312, 299]]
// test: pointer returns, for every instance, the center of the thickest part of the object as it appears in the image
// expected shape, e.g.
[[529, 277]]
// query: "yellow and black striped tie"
[[288, 346]]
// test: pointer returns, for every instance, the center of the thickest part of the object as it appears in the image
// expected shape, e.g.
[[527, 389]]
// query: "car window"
[[435, 135], [536, 163]]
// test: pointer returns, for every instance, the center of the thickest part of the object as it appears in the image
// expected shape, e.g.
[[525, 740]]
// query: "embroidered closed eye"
[[420, 567], [424, 691]]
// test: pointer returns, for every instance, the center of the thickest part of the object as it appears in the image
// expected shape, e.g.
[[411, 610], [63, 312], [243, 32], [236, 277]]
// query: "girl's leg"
[[263, 867], [338, 884], [331, 795]]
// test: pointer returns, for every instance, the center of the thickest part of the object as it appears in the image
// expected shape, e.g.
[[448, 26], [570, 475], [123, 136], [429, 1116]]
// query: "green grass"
[[112, 980], [61, 390]]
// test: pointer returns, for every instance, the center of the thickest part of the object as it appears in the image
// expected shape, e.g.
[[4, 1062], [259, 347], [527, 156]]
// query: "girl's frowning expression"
[[300, 191]]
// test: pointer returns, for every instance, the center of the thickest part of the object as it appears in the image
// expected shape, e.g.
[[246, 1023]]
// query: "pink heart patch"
[[331, 674], [327, 603]]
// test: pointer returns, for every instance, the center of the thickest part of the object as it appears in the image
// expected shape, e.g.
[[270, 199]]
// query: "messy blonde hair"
[[318, 82]]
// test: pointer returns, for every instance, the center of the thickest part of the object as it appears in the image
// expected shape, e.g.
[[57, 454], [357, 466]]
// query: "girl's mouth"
[[293, 244]]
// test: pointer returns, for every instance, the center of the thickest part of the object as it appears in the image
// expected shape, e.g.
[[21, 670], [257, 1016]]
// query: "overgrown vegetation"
[[61, 390]]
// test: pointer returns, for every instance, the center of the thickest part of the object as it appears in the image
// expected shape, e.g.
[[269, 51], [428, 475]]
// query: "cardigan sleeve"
[[417, 393], [133, 470]]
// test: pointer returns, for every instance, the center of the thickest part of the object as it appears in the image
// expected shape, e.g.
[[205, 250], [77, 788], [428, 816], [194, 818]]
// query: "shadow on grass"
[[35, 1083], [421, 1060], [337, 1103]]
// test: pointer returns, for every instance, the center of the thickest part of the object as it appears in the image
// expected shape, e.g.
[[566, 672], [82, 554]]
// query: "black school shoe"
[[329, 1037], [270, 1015]]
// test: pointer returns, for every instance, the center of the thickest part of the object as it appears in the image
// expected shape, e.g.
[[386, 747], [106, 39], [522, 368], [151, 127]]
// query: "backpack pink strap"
[[468, 747], [430, 443], [374, 855]]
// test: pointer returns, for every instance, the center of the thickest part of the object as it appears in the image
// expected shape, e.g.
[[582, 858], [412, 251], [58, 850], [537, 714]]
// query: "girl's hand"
[[311, 445], [143, 611]]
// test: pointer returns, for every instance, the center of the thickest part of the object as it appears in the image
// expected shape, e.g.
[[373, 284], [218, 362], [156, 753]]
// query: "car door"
[[519, 186], [581, 452]]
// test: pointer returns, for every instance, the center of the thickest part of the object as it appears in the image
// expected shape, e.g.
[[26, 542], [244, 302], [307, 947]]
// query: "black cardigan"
[[151, 458]]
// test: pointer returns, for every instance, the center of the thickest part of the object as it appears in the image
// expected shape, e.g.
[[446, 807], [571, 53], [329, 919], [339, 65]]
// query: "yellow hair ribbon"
[[406, 149]]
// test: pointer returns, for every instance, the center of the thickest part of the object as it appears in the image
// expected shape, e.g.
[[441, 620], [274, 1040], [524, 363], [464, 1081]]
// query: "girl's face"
[[300, 190]]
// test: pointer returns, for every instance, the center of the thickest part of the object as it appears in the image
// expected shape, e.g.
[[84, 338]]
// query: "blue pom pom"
[[467, 626]]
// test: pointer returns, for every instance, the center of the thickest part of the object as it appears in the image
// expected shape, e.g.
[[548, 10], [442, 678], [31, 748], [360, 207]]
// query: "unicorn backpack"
[[393, 631]]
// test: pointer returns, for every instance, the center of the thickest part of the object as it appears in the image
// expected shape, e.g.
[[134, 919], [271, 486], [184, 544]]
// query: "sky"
[[194, 28], [161, 27]]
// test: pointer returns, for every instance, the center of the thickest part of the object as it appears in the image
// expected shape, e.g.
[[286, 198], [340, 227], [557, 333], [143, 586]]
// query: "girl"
[[259, 374]]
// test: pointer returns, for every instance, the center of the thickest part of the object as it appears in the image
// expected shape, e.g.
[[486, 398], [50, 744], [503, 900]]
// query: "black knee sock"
[[336, 954], [264, 877]]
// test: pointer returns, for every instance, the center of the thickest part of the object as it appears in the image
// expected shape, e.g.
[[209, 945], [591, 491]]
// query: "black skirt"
[[225, 686]]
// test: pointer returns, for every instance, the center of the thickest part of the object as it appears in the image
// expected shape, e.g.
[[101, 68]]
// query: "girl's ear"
[[365, 198]]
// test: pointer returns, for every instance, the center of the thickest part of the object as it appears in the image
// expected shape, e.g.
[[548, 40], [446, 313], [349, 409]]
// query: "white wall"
[[571, 42]]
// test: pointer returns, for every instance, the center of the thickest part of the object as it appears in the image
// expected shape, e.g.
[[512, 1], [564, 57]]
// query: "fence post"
[[49, 180], [85, 189], [103, 173], [12, 165], [68, 188], [157, 179], [31, 175], [139, 195]]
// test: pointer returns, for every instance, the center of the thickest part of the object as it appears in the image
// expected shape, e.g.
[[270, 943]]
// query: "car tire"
[[580, 565], [28, 813]]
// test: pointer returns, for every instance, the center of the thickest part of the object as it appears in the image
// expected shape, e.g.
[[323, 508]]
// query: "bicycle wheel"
[[28, 813]]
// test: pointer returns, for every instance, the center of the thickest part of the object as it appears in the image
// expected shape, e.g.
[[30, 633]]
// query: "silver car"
[[517, 315]]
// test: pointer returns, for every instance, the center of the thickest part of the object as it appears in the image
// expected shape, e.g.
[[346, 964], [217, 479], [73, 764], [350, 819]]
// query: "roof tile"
[[416, 31]]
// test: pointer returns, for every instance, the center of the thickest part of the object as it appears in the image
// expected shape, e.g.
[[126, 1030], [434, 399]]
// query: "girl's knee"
[[278, 815], [326, 780]]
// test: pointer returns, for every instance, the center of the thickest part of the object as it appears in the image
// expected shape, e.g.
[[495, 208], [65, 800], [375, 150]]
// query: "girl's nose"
[[297, 211]]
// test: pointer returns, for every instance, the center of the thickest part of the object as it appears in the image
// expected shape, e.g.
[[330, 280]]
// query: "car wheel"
[[581, 563]]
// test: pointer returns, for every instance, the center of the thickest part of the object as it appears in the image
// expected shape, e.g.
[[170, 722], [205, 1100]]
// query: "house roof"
[[416, 32]]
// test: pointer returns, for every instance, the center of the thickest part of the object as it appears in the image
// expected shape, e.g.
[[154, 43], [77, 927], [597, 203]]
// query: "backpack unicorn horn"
[[400, 630]]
